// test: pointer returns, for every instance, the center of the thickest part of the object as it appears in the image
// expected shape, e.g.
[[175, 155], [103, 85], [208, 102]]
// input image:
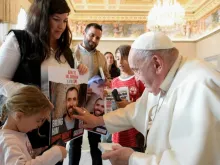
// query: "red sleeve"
[[141, 87], [113, 83]]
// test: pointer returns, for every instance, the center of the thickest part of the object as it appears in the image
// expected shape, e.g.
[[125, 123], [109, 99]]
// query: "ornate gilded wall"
[[192, 30]]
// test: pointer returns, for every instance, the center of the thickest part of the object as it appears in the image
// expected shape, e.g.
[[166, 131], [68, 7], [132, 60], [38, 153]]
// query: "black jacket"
[[29, 69]]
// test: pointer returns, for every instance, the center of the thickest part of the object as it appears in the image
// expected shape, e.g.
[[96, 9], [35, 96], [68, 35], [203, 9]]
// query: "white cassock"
[[185, 124]]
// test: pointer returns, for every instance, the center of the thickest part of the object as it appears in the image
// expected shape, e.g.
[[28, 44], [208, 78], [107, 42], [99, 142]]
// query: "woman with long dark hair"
[[26, 54], [112, 67]]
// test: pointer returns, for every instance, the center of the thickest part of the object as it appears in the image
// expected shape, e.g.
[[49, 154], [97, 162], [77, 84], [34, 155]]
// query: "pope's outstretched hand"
[[119, 155], [90, 121]]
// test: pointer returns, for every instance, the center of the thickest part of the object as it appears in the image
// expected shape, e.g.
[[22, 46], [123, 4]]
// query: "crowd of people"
[[172, 116]]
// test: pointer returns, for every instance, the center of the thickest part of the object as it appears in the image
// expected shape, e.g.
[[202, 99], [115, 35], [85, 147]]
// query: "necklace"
[[158, 105], [54, 50], [163, 93]]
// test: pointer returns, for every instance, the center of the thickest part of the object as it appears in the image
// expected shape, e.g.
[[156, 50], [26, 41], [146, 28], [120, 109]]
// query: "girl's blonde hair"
[[29, 100]]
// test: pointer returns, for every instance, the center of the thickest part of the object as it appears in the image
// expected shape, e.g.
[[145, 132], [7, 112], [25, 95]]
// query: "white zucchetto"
[[152, 41]]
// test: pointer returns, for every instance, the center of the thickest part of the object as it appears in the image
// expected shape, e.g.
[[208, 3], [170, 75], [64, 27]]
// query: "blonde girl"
[[25, 111]]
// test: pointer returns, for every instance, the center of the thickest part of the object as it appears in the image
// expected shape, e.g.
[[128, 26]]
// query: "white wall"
[[185, 48], [209, 46], [25, 4], [206, 47], [209, 49], [108, 46]]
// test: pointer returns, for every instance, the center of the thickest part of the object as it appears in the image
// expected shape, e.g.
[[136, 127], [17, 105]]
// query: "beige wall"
[[209, 46], [108, 46], [25, 4], [185, 48], [111, 46], [206, 47], [9, 10]]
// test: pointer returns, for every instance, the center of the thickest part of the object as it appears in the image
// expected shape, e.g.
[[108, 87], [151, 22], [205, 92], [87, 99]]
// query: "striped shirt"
[[128, 138]]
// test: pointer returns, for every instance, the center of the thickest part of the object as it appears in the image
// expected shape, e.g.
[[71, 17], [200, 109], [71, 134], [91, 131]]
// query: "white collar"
[[125, 79], [171, 74]]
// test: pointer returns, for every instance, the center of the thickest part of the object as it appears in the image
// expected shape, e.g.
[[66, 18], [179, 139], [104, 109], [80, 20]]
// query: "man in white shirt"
[[181, 100]]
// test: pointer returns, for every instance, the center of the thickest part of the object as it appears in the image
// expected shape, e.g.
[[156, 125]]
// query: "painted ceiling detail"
[[133, 10], [126, 29], [126, 19]]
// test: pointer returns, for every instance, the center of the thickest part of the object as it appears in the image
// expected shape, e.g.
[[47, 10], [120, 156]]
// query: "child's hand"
[[122, 104], [108, 83], [38, 151], [63, 151]]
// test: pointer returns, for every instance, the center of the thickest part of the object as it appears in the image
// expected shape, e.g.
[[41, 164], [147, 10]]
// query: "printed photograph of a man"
[[99, 107], [71, 102], [98, 110]]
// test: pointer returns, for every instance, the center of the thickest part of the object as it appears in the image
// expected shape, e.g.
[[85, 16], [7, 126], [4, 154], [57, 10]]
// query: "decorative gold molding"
[[142, 17], [207, 8], [131, 11], [192, 8], [108, 18]]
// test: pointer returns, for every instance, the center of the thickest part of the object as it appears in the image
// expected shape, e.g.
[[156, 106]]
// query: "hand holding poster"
[[110, 102], [67, 90]]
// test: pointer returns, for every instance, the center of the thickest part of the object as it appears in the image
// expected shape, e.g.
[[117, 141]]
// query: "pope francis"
[[181, 103]]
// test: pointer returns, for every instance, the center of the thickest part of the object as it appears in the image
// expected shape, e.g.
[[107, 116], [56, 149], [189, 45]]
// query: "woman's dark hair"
[[123, 50], [108, 53], [39, 28], [114, 62], [114, 71]]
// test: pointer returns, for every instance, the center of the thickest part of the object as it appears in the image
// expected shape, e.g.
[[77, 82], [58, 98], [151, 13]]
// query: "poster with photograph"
[[67, 89], [109, 101], [95, 101]]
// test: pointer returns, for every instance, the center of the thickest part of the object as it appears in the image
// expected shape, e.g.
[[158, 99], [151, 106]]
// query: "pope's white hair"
[[164, 53]]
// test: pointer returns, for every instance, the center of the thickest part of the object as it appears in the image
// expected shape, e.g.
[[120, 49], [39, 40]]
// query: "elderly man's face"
[[144, 71]]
